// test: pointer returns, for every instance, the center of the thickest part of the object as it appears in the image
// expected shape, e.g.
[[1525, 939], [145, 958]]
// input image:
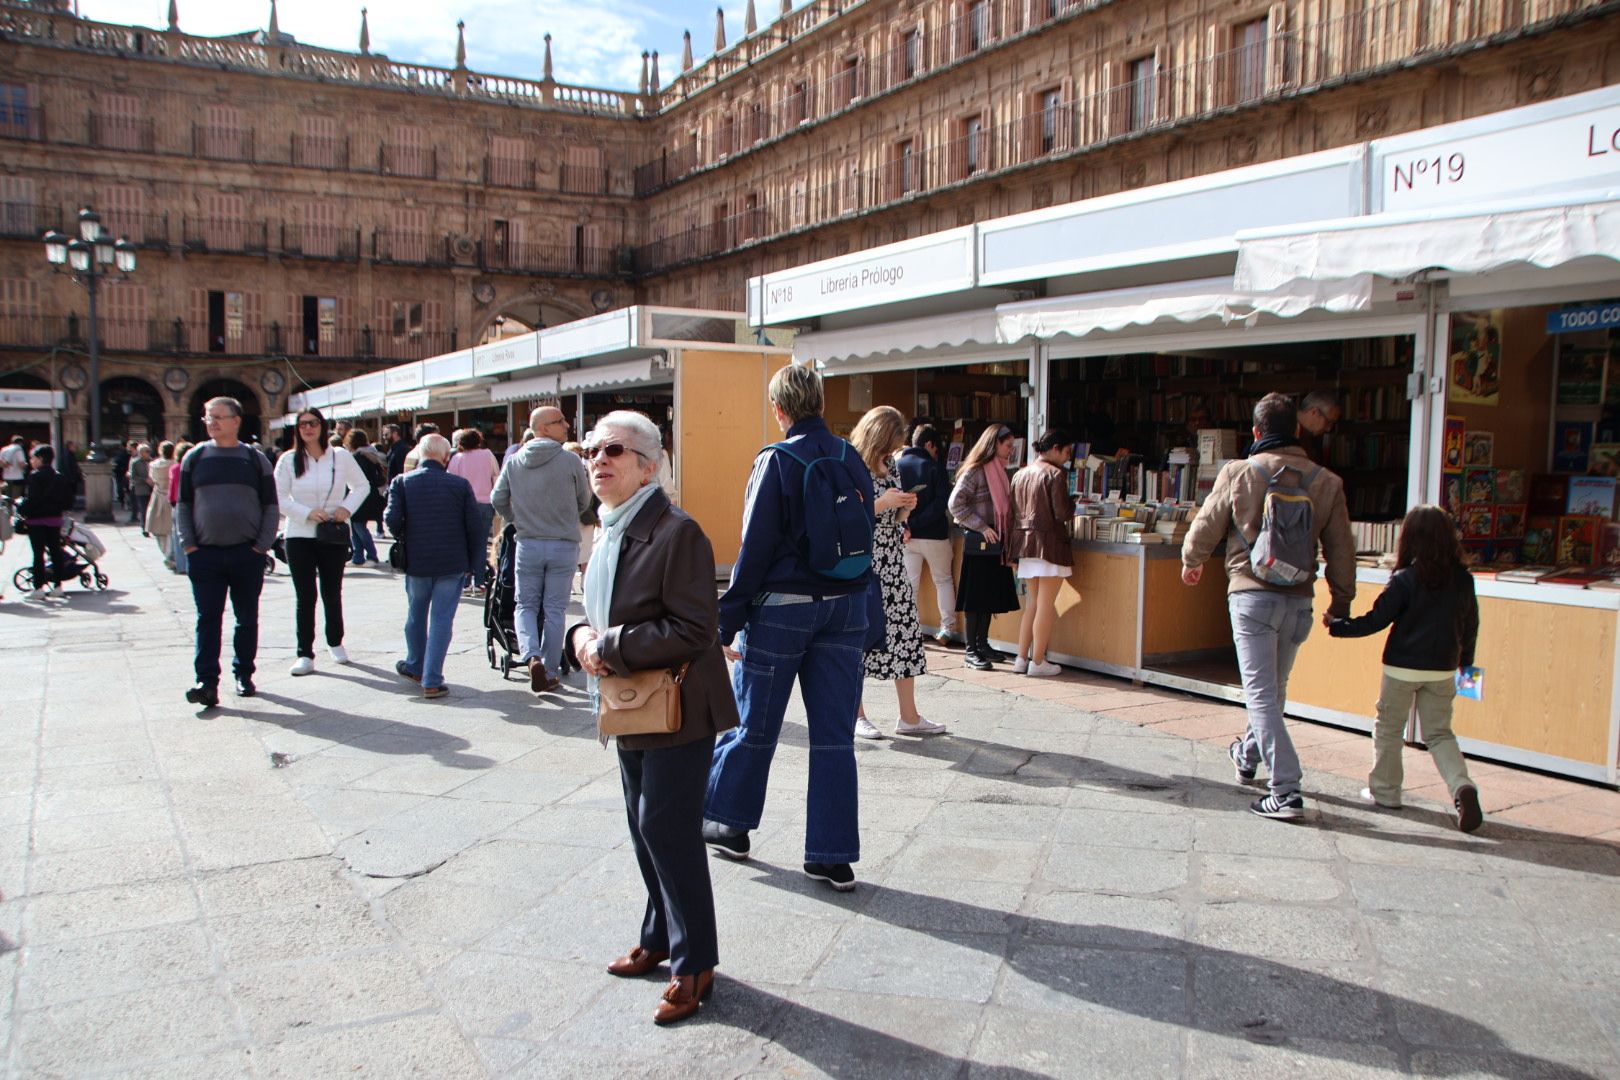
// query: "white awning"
[[624, 373], [936, 332], [1182, 301], [413, 401], [536, 386], [1470, 239], [353, 409]]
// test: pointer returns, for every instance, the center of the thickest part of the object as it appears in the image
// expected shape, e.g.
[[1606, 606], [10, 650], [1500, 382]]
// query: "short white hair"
[[640, 434], [435, 446]]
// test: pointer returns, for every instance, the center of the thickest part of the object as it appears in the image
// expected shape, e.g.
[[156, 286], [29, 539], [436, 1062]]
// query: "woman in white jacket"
[[317, 482]]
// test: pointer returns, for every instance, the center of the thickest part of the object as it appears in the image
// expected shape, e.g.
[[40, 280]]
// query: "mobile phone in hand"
[[919, 489]]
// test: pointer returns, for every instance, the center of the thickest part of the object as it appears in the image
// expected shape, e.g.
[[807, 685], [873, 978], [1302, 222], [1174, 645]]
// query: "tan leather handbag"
[[644, 703]]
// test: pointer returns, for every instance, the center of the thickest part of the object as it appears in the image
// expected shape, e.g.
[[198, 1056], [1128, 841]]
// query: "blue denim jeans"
[[361, 546], [1268, 628], [816, 643], [429, 615], [218, 573], [545, 574], [486, 520]]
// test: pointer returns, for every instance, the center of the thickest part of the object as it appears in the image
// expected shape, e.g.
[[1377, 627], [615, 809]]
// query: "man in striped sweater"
[[226, 518]]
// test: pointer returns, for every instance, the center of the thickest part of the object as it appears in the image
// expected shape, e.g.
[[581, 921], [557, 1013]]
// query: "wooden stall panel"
[[1549, 671], [1339, 674], [723, 420], [1181, 619]]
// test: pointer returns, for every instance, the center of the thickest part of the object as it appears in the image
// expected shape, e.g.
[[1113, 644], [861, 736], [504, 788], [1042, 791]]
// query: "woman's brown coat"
[[1042, 514]]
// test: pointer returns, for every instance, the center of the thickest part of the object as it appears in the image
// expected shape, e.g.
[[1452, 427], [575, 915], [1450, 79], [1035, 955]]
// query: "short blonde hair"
[[797, 391], [878, 435]]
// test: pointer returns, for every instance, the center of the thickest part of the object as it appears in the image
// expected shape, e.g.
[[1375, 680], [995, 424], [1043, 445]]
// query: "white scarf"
[[603, 569]]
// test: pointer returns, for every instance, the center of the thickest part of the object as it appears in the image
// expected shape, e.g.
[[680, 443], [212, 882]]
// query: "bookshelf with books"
[[962, 401]]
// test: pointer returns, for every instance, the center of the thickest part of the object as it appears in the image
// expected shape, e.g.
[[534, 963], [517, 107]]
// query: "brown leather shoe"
[[538, 679], [682, 995], [637, 961]]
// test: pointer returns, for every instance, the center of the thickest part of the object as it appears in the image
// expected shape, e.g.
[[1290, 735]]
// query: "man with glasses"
[[542, 491], [226, 519], [1319, 414]]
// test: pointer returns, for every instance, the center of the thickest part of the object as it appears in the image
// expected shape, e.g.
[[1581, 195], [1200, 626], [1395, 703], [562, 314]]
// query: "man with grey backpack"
[[1274, 510]]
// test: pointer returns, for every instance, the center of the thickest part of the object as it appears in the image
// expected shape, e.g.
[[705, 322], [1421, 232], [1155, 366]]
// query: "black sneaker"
[[206, 696], [733, 845], [1245, 774], [1469, 814], [976, 662], [1282, 808], [245, 687], [838, 875]]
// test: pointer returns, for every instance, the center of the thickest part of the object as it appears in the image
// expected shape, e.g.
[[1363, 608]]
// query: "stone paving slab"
[[1068, 884]]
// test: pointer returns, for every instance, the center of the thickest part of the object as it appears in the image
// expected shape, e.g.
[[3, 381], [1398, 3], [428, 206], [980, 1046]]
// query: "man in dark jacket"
[[435, 515], [919, 467], [792, 624]]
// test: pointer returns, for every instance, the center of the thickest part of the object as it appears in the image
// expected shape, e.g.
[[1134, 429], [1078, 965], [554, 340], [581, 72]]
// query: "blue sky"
[[594, 42]]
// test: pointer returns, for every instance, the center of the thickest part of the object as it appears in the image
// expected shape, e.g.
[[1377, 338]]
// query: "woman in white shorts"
[[1039, 539]]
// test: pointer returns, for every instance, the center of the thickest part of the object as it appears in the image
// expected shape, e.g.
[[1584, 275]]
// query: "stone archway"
[[252, 425], [524, 313], [131, 408]]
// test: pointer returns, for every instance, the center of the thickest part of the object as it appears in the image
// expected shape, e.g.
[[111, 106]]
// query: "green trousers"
[[1395, 700]]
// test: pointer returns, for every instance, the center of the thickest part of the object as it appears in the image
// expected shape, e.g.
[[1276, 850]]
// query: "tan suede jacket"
[[1238, 502]]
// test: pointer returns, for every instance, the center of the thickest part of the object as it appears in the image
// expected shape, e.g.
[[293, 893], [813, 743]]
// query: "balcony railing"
[[319, 152], [497, 254], [414, 249], [147, 230], [583, 179], [320, 242], [226, 236], [510, 173], [28, 221], [414, 161], [222, 143], [22, 122], [122, 133]]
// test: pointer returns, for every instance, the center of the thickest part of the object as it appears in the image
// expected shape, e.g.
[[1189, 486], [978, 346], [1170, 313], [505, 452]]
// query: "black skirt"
[[986, 586]]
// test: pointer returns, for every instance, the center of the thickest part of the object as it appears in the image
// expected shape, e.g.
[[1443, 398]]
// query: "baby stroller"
[[81, 548], [500, 605]]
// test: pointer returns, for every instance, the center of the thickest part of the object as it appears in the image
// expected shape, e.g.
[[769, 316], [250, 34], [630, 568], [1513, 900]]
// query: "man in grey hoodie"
[[543, 491]]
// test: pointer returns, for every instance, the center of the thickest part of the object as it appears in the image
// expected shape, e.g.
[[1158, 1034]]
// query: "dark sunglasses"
[[612, 450]]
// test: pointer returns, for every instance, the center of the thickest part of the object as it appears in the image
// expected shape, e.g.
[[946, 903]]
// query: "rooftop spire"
[[750, 20], [545, 72], [686, 50], [275, 23], [174, 14], [719, 29], [787, 7], [655, 71], [461, 46], [365, 34], [644, 55]]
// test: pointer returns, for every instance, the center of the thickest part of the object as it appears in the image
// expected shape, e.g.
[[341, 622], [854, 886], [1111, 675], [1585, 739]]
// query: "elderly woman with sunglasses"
[[650, 603]]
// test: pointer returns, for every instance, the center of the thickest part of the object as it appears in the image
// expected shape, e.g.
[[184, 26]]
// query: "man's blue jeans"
[[818, 644], [1268, 628], [545, 575], [486, 520], [217, 573], [429, 615], [361, 546]]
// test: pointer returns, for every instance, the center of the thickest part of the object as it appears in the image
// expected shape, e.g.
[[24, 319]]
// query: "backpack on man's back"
[[1284, 549], [838, 523]]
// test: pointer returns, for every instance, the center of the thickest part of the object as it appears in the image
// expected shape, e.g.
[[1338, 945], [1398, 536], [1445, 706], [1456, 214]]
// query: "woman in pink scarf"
[[981, 503]]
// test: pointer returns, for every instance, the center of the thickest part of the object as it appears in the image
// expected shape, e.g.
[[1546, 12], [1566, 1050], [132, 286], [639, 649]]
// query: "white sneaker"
[[865, 730], [340, 655], [1044, 669], [921, 727], [38, 594], [303, 666], [1020, 666]]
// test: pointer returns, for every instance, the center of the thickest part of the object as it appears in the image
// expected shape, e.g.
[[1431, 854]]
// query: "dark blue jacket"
[[930, 520], [772, 558], [436, 515]]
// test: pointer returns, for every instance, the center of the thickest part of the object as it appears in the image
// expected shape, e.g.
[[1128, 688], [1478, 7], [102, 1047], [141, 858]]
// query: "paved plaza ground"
[[337, 878]]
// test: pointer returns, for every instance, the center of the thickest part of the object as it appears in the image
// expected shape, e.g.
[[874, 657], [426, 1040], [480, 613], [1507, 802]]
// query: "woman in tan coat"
[[650, 603], [1039, 539]]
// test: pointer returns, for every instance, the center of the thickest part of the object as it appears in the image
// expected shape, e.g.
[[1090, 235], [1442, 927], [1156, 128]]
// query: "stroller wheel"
[[489, 648], [87, 580], [506, 664], [101, 581], [24, 579]]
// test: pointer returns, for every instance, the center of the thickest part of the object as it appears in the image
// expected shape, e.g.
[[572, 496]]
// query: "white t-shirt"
[[15, 460]]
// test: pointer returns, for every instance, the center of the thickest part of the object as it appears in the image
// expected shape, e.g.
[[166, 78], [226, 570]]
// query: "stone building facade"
[[304, 215]]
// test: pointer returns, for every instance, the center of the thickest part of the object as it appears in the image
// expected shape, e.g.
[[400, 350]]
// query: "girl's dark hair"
[[1051, 439], [1429, 543], [300, 454], [471, 439]]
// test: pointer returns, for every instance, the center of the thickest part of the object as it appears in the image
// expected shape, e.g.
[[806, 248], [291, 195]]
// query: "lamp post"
[[89, 258]]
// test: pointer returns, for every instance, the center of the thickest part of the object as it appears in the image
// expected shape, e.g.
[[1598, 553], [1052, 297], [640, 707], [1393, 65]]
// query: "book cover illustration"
[[1572, 445], [1476, 357], [953, 457], [1540, 545], [1451, 494], [1592, 496], [1578, 540], [1456, 433], [1478, 521], [1609, 546], [1479, 485], [1471, 683], [1580, 376], [1549, 495], [1510, 519], [1510, 485], [1604, 459], [1479, 448]]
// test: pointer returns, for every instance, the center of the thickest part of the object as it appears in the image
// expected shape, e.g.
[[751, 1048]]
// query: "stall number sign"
[[1604, 316], [1583, 148]]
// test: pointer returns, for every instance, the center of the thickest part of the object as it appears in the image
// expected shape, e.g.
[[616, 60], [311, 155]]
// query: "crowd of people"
[[823, 595]]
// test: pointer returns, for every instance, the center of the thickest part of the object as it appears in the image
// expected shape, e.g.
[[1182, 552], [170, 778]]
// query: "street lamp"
[[88, 258]]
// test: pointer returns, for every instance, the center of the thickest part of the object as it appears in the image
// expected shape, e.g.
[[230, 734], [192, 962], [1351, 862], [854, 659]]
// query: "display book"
[[1564, 534], [1130, 520]]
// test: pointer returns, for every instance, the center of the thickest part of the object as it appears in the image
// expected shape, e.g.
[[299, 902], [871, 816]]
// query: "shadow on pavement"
[[381, 735]]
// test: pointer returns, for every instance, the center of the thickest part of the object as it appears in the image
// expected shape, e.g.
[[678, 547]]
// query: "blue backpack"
[[838, 523]]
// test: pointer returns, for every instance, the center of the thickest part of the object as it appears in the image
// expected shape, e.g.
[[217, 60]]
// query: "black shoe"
[[838, 875], [1469, 815], [206, 696], [732, 846], [978, 663], [993, 655], [1285, 808], [245, 687], [1245, 774]]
